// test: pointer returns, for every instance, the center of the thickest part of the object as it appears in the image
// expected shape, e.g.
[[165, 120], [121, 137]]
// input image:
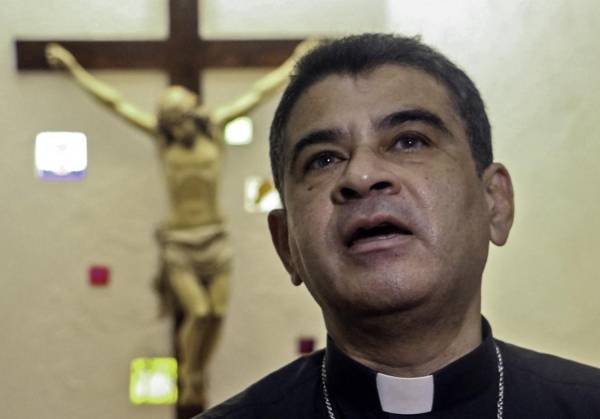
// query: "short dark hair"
[[359, 53]]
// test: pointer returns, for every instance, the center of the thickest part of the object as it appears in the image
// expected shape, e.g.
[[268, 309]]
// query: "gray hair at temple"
[[360, 53]]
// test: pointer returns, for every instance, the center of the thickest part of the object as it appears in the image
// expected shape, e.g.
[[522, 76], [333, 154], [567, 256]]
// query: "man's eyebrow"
[[319, 136], [410, 115]]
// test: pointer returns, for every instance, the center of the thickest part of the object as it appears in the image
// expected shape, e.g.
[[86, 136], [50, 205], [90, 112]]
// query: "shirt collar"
[[354, 386], [406, 396]]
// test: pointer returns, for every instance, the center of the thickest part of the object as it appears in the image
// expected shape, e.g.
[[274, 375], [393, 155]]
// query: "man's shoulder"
[[542, 385], [550, 368], [270, 391]]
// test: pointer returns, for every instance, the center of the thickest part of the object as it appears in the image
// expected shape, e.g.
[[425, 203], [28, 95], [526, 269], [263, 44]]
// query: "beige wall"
[[66, 347]]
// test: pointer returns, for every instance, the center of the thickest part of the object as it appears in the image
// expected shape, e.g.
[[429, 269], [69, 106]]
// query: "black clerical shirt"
[[535, 386]]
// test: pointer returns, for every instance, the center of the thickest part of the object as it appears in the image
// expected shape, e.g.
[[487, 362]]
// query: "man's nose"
[[366, 173]]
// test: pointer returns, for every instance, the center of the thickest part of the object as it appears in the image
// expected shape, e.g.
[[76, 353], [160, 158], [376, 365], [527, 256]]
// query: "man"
[[195, 251], [381, 150]]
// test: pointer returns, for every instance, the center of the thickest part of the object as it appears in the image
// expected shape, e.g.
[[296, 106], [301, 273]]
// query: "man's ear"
[[500, 200], [280, 236]]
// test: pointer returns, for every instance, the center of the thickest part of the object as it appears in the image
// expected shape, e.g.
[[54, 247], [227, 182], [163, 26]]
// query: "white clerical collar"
[[405, 396]]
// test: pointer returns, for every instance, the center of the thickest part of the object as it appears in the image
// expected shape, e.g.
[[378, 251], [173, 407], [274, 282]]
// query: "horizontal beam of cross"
[[153, 54]]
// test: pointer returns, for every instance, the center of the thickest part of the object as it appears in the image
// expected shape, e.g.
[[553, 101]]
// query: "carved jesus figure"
[[195, 252]]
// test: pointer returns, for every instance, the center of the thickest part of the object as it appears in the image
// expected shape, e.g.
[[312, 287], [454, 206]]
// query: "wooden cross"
[[183, 54]]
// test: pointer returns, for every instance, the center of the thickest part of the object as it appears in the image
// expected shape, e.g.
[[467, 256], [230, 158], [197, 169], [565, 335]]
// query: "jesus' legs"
[[198, 335]]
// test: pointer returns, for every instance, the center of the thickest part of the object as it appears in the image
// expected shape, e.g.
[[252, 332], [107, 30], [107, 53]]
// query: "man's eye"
[[410, 142], [321, 161]]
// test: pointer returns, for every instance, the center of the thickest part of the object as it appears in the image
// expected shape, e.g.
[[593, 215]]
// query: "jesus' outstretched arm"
[[262, 89], [59, 57]]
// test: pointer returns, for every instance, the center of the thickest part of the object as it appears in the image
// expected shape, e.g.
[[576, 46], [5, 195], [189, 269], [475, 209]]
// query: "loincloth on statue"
[[204, 251]]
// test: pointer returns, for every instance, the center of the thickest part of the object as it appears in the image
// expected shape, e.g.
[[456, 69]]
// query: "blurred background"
[[67, 346]]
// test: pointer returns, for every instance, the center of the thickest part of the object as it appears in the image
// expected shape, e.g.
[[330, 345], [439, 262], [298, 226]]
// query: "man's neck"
[[409, 344]]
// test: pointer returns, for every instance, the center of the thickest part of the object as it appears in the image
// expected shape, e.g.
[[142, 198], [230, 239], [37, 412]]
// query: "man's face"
[[384, 210]]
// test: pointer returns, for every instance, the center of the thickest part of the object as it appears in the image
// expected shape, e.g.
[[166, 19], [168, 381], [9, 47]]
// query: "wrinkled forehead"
[[343, 100]]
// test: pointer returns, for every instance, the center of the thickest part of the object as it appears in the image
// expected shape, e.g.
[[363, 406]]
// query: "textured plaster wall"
[[67, 347]]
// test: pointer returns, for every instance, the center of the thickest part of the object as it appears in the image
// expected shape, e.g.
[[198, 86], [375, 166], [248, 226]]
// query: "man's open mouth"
[[379, 231]]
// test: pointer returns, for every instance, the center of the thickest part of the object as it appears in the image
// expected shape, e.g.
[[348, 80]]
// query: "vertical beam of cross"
[[183, 37]]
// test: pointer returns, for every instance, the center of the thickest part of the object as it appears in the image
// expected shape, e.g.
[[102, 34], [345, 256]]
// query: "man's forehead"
[[337, 98]]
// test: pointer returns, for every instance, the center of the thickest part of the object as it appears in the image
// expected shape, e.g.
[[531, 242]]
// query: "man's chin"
[[388, 304]]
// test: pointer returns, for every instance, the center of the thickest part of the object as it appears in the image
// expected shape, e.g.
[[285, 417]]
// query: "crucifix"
[[195, 251]]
